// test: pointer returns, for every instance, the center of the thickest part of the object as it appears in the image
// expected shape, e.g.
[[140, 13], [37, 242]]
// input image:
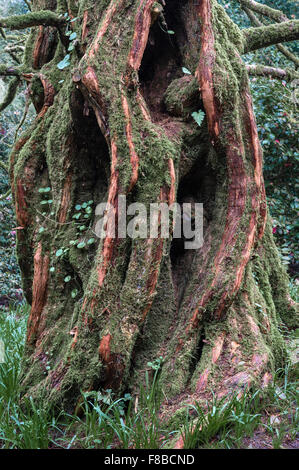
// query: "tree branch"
[[272, 72], [276, 15], [6, 71], [286, 52], [45, 18], [264, 36], [11, 93]]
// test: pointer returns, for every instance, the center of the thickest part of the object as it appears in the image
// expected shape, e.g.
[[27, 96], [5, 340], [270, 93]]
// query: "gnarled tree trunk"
[[117, 121]]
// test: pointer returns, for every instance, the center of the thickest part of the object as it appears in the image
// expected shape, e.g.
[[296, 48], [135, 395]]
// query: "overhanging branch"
[[265, 36], [44, 18], [6, 71], [272, 72], [284, 50], [11, 93], [276, 15]]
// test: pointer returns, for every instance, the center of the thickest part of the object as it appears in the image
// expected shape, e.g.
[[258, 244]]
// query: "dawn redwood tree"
[[114, 117]]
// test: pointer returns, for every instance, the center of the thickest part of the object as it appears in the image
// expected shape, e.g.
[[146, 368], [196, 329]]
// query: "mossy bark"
[[118, 121]]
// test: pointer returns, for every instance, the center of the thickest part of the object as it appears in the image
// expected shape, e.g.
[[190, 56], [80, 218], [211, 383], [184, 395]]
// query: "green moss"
[[46, 18], [10, 93]]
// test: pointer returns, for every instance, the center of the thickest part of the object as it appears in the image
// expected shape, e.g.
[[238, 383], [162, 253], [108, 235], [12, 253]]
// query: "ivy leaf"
[[41, 230], [65, 62], [198, 117], [186, 71], [59, 252], [81, 245], [73, 36], [170, 31], [74, 293], [67, 278]]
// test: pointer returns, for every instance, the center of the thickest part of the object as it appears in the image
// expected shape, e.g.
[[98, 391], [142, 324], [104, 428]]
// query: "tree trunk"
[[117, 121]]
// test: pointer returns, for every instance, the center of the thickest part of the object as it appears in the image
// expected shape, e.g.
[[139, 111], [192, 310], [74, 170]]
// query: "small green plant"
[[81, 217], [198, 117], [72, 36]]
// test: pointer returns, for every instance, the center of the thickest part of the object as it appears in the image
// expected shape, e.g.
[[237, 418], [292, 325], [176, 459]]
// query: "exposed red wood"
[[65, 200], [239, 180], [133, 155], [172, 195], [104, 348], [217, 349], [39, 291], [37, 46], [258, 164], [84, 26], [22, 215], [90, 82], [49, 94], [109, 242], [204, 72], [18, 146], [203, 380], [141, 31], [111, 11], [142, 106]]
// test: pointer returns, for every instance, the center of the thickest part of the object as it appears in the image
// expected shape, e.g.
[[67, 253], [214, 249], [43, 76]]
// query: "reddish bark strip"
[[141, 31], [258, 164], [104, 349], [239, 181], [49, 93], [133, 155], [90, 82], [22, 215], [36, 51], [142, 106], [111, 11], [204, 72], [39, 291], [65, 200], [109, 242], [18, 146], [171, 196], [84, 26]]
